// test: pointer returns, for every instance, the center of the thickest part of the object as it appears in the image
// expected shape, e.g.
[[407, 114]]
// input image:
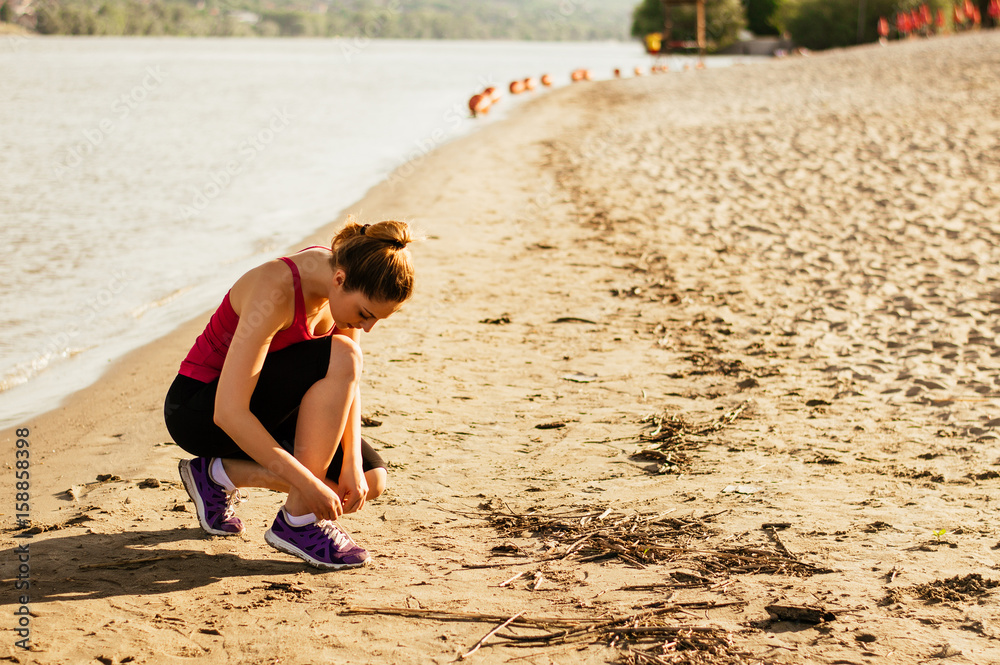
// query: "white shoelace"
[[333, 531], [233, 499]]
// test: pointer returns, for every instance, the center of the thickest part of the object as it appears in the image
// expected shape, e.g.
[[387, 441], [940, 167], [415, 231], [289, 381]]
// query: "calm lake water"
[[142, 176]]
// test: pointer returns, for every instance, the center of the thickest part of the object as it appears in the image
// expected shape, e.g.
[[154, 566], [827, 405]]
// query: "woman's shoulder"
[[269, 282], [311, 259]]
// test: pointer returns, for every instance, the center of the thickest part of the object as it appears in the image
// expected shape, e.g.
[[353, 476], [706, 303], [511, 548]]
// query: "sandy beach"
[[707, 362]]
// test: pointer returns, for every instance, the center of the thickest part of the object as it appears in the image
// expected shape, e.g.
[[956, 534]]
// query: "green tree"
[[723, 21], [5, 13], [822, 24], [111, 19], [760, 15]]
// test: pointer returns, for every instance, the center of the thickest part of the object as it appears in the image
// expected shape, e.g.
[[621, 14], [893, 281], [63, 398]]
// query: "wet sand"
[[781, 282]]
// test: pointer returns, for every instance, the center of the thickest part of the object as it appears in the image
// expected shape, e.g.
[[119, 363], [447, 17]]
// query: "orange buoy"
[[479, 104], [637, 71], [617, 73], [516, 87], [588, 75], [492, 93], [546, 80], [576, 75], [529, 83]]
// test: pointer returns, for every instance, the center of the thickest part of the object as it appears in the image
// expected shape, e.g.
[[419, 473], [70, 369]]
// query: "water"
[[142, 176]]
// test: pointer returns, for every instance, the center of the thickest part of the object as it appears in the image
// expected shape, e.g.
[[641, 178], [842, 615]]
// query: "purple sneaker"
[[213, 503], [322, 544]]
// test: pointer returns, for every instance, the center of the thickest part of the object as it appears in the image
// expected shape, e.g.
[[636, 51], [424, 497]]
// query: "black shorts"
[[189, 409]]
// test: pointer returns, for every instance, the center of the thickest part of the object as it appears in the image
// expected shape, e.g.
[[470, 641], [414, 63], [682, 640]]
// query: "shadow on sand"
[[87, 566]]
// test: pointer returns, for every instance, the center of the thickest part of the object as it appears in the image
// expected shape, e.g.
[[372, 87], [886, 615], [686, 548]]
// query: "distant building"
[[23, 12], [246, 17]]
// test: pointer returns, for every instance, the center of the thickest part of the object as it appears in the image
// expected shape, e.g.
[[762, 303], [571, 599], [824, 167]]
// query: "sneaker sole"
[[286, 547], [184, 468]]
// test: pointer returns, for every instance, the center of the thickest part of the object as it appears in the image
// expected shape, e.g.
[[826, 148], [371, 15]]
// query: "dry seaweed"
[[958, 589], [643, 539], [671, 436], [635, 538]]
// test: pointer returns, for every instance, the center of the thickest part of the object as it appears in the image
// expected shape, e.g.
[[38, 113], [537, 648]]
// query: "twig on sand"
[[508, 581], [488, 636], [773, 533], [648, 633]]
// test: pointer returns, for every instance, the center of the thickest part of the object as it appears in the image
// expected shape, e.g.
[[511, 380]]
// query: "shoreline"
[[48, 379], [143, 310], [771, 321]]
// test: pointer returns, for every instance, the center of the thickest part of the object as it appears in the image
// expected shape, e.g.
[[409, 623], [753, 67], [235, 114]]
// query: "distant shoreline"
[[415, 19]]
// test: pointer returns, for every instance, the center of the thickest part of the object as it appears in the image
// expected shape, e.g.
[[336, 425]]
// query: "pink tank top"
[[205, 359]]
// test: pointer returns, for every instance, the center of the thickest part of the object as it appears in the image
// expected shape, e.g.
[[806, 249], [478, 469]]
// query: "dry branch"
[[646, 635]]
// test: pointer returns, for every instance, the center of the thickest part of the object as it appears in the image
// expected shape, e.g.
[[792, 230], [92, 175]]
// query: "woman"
[[269, 394]]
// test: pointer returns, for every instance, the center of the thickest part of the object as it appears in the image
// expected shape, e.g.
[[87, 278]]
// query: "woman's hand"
[[353, 488], [317, 498]]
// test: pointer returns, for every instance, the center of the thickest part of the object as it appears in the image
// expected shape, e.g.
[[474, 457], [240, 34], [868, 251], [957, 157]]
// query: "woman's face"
[[352, 309]]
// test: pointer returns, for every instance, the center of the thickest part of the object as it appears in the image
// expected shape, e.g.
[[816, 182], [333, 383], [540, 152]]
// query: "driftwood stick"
[[443, 615], [508, 581], [489, 635]]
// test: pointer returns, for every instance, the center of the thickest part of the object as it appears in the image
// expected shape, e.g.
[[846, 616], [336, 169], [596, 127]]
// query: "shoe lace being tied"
[[233, 499], [333, 531]]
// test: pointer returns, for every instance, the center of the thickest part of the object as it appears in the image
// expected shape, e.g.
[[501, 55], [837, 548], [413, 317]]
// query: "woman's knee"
[[346, 358], [377, 479]]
